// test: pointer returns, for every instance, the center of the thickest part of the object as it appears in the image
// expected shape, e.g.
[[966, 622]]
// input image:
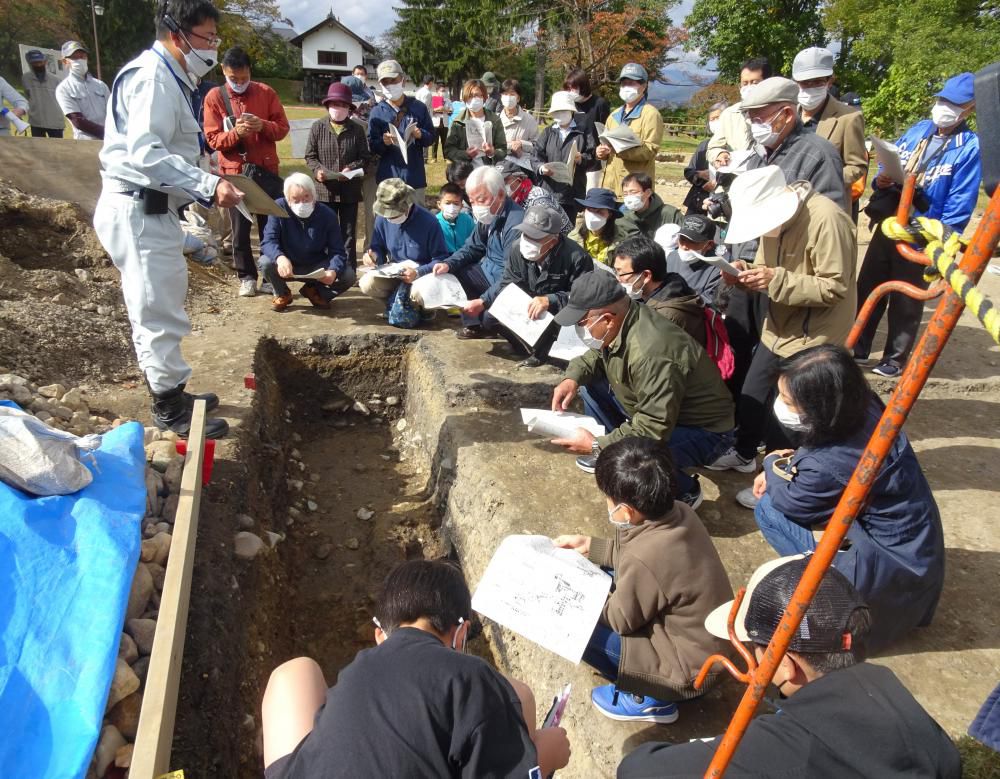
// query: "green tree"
[[46, 24], [124, 29], [896, 59], [731, 31]]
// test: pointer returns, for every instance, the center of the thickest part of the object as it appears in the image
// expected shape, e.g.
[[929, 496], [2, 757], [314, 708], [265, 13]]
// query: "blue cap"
[[634, 71], [958, 89], [34, 56], [357, 87]]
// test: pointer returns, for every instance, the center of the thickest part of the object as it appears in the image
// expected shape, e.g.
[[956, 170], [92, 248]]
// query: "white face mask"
[[713, 126], [689, 255], [594, 222], [451, 211], [531, 250], [562, 118], [812, 98], [615, 522], [200, 61], [763, 133], [944, 115], [339, 114], [509, 101], [628, 94], [745, 91], [588, 338], [634, 202], [577, 97], [398, 220], [239, 89], [483, 215], [788, 418], [392, 92], [78, 68], [303, 210], [631, 291], [476, 105]]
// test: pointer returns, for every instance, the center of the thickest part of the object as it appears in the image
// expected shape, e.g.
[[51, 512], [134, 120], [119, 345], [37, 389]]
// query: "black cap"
[[600, 198], [697, 228], [823, 628], [594, 289]]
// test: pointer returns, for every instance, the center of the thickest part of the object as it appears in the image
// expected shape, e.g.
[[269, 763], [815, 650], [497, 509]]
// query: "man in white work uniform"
[[154, 163], [82, 98]]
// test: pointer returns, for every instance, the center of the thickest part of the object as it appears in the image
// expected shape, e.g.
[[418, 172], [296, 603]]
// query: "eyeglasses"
[[623, 276], [213, 41]]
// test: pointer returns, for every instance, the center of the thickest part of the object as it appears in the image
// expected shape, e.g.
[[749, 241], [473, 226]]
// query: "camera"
[[719, 206]]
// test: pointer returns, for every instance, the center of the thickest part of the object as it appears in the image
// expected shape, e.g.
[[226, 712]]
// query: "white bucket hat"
[[717, 622], [761, 202], [562, 101]]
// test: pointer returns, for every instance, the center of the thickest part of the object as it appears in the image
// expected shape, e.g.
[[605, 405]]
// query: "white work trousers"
[[148, 252]]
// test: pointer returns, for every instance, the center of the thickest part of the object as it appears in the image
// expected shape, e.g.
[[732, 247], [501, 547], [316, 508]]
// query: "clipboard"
[[255, 200]]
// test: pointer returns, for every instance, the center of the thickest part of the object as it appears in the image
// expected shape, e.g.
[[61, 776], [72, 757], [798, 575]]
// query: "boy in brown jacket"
[[651, 639]]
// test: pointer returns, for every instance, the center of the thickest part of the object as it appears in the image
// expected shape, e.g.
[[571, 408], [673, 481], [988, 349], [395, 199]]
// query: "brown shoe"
[[313, 295], [471, 333], [281, 302]]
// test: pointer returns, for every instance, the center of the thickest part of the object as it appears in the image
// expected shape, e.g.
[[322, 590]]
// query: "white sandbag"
[[39, 459]]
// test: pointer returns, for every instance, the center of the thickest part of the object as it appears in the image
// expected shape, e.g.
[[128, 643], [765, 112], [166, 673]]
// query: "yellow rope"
[[942, 246]]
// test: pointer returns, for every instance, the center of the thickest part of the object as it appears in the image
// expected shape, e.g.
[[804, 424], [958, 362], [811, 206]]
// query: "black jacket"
[[697, 194], [858, 723], [552, 277], [550, 148]]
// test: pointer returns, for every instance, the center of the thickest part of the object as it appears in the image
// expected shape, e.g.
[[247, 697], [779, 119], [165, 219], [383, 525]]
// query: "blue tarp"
[[66, 567]]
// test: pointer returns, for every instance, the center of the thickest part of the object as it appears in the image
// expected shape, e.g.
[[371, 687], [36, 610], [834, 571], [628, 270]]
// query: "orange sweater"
[[259, 100]]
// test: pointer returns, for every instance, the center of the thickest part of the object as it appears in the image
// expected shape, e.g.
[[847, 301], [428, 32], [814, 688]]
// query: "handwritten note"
[[550, 596]]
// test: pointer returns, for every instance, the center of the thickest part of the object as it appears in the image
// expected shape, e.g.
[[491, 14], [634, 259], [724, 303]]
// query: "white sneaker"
[[248, 288], [732, 460], [745, 498]]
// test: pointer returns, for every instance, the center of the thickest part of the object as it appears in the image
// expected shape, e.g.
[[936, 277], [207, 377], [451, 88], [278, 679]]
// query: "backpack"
[[717, 343]]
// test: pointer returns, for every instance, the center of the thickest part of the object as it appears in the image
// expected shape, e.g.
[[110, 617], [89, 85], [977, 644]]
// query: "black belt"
[[154, 201]]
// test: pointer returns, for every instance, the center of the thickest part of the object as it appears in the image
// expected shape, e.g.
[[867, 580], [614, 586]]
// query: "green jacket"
[[456, 147], [660, 375], [656, 215]]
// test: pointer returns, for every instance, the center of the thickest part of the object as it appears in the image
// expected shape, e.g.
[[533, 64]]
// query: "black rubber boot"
[[210, 398], [172, 411]]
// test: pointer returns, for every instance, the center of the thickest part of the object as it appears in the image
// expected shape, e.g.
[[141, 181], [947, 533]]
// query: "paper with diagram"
[[343, 175], [392, 270], [889, 163], [568, 344], [558, 424], [551, 596], [511, 308], [620, 138], [444, 291]]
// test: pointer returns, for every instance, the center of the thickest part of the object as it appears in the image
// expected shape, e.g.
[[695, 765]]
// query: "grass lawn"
[[978, 761]]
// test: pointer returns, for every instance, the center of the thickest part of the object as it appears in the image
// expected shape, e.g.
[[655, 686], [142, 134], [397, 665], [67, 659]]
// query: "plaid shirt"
[[326, 149]]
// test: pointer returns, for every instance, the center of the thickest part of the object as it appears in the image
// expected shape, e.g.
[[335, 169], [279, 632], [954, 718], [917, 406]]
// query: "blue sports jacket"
[[390, 164], [952, 181], [488, 246]]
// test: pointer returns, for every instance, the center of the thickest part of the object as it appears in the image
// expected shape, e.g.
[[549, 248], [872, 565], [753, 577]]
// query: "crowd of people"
[[686, 366]]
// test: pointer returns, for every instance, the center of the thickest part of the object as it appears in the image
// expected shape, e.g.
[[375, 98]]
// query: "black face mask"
[[39, 70]]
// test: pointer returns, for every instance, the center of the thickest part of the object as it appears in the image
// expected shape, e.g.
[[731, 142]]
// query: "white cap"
[[562, 101], [761, 202], [812, 63]]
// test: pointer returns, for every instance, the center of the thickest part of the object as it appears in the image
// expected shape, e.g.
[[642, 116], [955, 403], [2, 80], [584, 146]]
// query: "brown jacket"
[[844, 127], [813, 295], [668, 578], [648, 125]]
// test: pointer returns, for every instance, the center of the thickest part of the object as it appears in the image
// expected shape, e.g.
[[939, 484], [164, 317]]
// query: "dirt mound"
[[62, 317]]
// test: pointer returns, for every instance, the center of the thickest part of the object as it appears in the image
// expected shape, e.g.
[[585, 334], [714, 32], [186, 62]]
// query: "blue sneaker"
[[626, 707]]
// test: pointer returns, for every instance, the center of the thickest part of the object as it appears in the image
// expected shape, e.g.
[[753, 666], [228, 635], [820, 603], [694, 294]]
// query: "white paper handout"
[[620, 138], [574, 149], [550, 596], [511, 308], [568, 345], [316, 274], [444, 291], [719, 262], [559, 172], [558, 424], [392, 270], [887, 155], [343, 175], [478, 133], [403, 139]]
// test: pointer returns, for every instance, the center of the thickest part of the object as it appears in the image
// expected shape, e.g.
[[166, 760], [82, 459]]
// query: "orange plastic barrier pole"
[[915, 374]]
